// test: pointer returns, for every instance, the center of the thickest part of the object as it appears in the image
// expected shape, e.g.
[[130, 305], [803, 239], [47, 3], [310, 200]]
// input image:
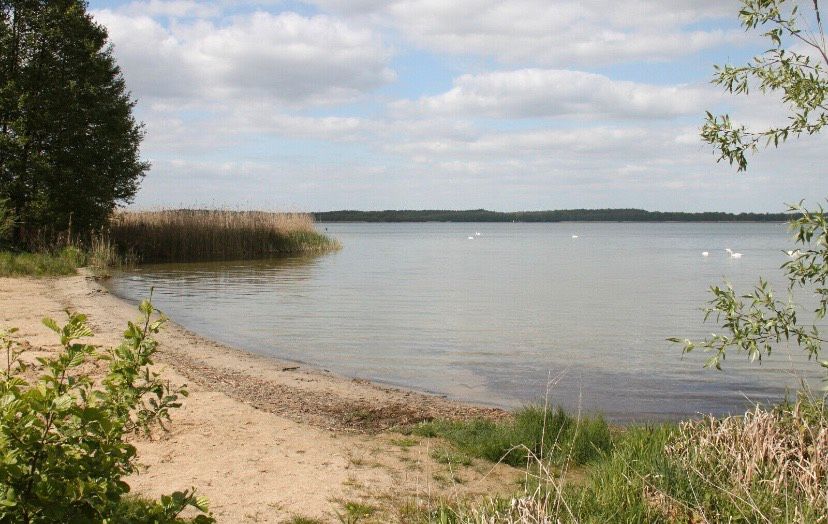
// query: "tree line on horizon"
[[560, 215]]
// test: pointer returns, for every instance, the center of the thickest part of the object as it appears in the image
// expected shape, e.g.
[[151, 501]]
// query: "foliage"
[[759, 321], [532, 432], [68, 141], [560, 215], [63, 454], [6, 221], [794, 67]]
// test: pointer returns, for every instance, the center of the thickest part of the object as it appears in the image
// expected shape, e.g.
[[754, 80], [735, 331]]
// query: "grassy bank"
[[770, 465], [204, 235], [532, 432], [64, 262], [99, 256]]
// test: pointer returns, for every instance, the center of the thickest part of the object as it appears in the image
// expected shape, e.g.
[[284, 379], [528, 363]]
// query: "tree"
[[795, 67], [68, 140]]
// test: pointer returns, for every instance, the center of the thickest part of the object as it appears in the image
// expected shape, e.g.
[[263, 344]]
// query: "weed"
[[447, 456], [354, 512], [404, 442]]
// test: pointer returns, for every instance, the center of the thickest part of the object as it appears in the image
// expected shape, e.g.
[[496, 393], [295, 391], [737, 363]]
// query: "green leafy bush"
[[6, 221], [63, 453]]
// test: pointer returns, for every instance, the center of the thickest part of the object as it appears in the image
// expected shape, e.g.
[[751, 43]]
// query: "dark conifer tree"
[[68, 140]]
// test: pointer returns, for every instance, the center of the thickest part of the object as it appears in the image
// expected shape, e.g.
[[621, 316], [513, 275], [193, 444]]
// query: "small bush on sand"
[[63, 454]]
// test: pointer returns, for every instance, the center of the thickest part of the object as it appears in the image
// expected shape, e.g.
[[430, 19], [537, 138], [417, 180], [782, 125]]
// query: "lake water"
[[502, 318]]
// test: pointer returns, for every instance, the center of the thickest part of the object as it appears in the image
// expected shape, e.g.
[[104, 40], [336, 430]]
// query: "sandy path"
[[262, 440]]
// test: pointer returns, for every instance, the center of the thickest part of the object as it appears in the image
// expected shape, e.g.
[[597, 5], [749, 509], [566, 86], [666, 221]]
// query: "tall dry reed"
[[185, 235]]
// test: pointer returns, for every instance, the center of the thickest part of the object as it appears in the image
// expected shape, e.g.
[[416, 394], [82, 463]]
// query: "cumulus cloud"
[[563, 32], [172, 8], [543, 93], [283, 57], [241, 95]]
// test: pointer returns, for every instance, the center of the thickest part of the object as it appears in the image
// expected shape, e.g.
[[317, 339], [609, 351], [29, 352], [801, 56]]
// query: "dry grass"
[[780, 454], [185, 235]]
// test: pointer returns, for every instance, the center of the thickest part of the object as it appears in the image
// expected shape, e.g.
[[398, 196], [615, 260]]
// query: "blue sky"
[[520, 105]]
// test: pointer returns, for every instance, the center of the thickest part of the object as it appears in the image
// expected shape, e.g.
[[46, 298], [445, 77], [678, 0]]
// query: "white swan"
[[794, 254], [477, 234], [732, 254], [574, 236], [471, 238], [705, 254]]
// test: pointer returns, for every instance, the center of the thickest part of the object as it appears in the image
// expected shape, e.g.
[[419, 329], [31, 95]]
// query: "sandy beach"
[[266, 440]]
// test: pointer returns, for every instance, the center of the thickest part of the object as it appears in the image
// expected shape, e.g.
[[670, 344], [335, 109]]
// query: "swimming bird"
[[471, 238], [477, 234], [574, 236], [732, 254], [705, 254]]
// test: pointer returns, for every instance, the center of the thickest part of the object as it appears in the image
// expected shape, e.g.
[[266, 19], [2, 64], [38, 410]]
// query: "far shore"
[[263, 439]]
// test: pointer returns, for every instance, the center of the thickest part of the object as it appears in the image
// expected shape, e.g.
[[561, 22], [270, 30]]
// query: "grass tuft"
[[532, 432]]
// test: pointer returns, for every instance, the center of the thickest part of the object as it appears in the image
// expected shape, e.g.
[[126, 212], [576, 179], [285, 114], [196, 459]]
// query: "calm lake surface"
[[504, 317]]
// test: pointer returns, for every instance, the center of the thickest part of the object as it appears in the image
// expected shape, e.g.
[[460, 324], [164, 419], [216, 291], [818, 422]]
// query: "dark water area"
[[513, 315]]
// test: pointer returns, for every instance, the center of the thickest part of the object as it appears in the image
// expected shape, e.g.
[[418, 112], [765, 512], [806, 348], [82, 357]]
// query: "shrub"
[[6, 221], [63, 454]]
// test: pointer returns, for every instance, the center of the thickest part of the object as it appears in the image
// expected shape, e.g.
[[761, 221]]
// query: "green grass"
[[532, 432], [100, 258], [765, 466], [355, 511], [299, 519], [65, 262], [453, 458]]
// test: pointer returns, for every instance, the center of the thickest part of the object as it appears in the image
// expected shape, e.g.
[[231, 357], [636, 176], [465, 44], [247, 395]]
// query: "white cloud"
[[563, 32], [172, 8], [543, 93], [286, 58]]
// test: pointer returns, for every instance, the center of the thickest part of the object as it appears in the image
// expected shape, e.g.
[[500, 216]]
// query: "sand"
[[264, 440]]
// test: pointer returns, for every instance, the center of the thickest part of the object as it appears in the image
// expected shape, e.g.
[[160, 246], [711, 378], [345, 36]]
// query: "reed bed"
[[185, 235]]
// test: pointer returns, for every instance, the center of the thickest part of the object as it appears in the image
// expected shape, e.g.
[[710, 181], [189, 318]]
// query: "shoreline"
[[265, 439]]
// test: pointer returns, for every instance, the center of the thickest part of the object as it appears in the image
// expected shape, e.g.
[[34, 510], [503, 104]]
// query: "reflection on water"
[[494, 318]]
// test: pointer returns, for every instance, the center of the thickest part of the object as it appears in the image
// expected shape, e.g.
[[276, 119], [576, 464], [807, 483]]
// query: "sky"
[[432, 104]]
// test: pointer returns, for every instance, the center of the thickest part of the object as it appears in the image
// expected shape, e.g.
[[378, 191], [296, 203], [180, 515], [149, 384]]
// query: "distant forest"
[[561, 215]]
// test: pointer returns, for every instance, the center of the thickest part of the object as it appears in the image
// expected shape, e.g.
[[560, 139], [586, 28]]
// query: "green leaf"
[[51, 324]]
